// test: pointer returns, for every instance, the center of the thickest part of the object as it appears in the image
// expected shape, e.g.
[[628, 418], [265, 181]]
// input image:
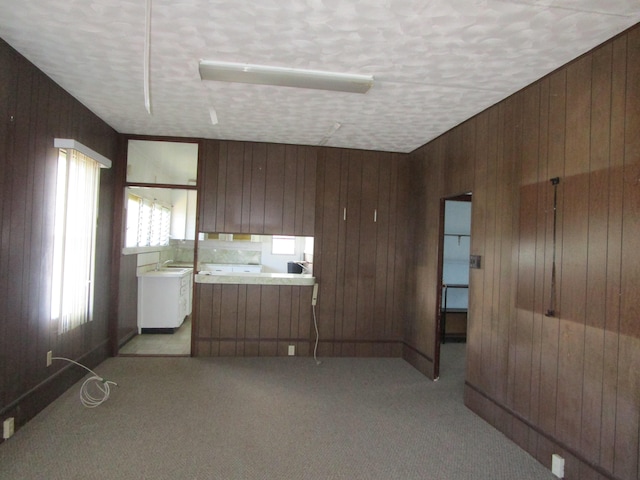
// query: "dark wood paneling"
[[309, 158], [208, 177], [293, 189], [257, 188], [628, 401], [35, 111], [613, 249], [234, 176], [253, 320], [275, 189], [574, 191], [568, 382], [360, 233]]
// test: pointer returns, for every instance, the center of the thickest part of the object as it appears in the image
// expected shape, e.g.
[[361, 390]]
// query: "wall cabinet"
[[258, 188], [360, 255]]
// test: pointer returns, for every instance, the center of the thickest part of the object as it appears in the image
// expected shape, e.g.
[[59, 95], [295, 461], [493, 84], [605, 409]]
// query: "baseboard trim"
[[33, 401], [561, 445], [418, 359]]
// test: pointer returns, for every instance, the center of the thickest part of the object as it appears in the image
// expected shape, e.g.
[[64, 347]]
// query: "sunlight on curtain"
[[75, 239]]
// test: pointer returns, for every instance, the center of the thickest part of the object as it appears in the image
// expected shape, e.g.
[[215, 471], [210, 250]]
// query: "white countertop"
[[167, 272], [256, 278]]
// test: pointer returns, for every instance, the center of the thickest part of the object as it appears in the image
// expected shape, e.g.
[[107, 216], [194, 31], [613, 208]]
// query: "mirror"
[[167, 163]]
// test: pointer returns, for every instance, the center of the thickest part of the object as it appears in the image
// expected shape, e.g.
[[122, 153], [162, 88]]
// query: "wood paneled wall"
[[567, 383], [259, 188], [35, 110], [361, 255], [360, 262], [252, 320]]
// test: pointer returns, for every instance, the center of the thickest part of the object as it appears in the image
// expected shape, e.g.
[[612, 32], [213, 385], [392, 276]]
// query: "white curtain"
[[75, 239]]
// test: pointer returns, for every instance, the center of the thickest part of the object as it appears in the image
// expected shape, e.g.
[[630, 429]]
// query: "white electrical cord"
[[101, 385], [315, 324]]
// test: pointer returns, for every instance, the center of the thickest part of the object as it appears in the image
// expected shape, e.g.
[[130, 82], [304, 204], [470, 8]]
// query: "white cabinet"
[[164, 299]]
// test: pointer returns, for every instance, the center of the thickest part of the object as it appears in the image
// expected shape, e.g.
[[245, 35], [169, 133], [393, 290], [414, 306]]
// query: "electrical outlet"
[[8, 428], [49, 358], [557, 465], [292, 350]]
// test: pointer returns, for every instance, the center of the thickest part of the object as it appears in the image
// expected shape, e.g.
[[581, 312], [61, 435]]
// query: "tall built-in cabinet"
[[361, 227]]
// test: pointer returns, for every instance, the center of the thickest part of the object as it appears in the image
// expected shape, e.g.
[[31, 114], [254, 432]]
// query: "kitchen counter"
[[167, 272], [255, 278]]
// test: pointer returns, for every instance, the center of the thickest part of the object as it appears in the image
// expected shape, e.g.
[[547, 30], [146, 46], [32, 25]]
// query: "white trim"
[[75, 145]]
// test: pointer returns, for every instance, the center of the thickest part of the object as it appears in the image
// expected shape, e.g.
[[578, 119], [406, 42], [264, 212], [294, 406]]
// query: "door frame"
[[461, 197]]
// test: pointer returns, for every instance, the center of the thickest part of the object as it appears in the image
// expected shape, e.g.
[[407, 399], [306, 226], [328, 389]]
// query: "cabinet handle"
[[375, 215], [344, 214]]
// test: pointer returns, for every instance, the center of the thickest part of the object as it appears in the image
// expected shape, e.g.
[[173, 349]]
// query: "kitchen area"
[[171, 259], [166, 281]]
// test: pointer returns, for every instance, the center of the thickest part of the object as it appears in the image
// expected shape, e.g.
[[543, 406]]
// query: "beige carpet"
[[267, 418]]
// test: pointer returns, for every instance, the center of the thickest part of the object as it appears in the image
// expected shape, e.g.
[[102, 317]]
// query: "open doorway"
[[453, 284], [158, 236]]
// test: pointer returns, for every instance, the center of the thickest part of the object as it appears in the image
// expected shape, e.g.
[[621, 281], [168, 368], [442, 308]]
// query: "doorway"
[[453, 284], [157, 239]]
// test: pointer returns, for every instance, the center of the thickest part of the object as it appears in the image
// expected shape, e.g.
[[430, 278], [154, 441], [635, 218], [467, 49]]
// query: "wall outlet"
[[49, 358], [557, 465], [292, 350], [8, 428]]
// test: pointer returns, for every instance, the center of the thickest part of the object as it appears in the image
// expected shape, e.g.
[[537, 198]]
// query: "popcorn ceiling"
[[436, 63]]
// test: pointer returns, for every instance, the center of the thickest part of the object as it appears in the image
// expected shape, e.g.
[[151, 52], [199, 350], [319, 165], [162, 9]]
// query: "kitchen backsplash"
[[223, 255]]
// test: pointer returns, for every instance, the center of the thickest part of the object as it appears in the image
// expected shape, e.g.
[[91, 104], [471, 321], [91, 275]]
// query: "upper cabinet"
[[258, 188]]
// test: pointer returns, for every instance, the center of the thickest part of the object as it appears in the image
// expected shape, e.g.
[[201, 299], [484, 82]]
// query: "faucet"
[[158, 265]]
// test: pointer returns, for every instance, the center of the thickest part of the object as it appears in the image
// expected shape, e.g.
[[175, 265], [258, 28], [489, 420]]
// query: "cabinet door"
[[208, 194], [367, 242], [232, 192], [357, 251], [275, 190], [329, 250], [258, 188]]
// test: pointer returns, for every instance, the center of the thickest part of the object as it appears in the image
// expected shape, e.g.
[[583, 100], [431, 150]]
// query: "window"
[[75, 239], [148, 222], [283, 245]]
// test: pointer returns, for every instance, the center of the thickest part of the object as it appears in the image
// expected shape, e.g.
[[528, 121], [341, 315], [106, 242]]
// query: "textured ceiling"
[[435, 62]]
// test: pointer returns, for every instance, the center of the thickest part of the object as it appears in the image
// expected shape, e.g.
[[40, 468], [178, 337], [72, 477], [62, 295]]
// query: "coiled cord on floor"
[[315, 348], [100, 384]]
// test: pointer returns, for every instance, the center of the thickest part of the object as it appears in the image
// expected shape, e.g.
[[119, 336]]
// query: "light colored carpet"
[[267, 418]]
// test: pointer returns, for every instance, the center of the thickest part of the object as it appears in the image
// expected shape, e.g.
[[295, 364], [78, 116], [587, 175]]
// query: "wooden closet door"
[[329, 250], [366, 250]]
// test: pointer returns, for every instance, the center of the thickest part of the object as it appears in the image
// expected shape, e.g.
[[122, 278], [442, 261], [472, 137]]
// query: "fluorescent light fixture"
[[72, 144], [284, 77]]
